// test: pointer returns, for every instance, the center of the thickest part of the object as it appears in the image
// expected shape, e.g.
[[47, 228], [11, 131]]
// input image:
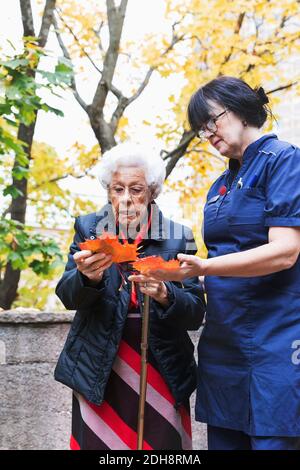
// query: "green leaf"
[[15, 63], [62, 75], [64, 72], [5, 108], [19, 172], [22, 159], [12, 144], [40, 267], [10, 122], [12, 191], [13, 92], [17, 260], [45, 107], [63, 68], [27, 115], [49, 76], [51, 250]]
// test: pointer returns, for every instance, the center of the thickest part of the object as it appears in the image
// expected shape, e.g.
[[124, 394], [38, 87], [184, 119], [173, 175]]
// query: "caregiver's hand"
[[92, 265], [190, 266], [152, 287]]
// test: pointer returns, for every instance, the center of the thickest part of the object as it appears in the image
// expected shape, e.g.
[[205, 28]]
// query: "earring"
[[245, 123]]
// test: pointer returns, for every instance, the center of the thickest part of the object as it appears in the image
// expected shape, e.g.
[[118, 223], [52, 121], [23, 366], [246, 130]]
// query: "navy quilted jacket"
[[86, 360]]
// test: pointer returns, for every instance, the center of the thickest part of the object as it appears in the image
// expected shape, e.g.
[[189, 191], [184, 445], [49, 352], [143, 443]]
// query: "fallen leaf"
[[149, 263], [109, 244]]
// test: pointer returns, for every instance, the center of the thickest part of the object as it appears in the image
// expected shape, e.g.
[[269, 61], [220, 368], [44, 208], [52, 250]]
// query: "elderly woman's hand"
[[190, 266], [92, 265], [152, 287]]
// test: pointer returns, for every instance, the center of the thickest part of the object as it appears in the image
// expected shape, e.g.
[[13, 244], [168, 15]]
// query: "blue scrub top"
[[249, 355]]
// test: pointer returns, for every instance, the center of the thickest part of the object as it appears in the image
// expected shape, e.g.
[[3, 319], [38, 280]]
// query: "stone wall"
[[35, 410]]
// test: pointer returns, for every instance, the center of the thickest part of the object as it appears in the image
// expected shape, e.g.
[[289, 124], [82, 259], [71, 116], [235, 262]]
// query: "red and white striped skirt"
[[113, 424]]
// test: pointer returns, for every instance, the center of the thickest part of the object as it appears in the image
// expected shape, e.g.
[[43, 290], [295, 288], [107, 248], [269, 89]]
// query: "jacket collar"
[[104, 220]]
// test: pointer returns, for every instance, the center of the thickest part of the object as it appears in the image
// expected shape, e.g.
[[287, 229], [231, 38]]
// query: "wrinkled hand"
[[152, 287], [92, 265], [190, 266]]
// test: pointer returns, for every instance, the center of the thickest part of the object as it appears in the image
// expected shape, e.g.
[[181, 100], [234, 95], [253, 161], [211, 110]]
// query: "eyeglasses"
[[134, 191], [210, 126]]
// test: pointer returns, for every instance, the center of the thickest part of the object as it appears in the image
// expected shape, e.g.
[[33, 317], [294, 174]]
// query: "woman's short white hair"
[[132, 155]]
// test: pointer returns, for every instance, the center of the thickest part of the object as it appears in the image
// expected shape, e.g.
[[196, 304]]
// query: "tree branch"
[[113, 88], [142, 85], [283, 87], [7, 211], [58, 178], [97, 32], [27, 18], [115, 18], [123, 102], [178, 152], [67, 56], [47, 20], [118, 94], [77, 41], [236, 31]]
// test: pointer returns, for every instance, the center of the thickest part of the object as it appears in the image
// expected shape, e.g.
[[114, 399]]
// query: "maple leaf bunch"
[[109, 244]]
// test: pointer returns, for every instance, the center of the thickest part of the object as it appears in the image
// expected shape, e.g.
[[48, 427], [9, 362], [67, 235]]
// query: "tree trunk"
[[102, 131], [10, 282], [19, 204], [9, 286]]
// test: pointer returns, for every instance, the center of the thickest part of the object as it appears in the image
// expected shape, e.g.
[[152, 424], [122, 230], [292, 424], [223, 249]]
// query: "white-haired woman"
[[101, 358]]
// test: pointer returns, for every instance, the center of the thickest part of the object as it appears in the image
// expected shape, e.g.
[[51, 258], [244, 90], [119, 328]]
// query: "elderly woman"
[[100, 361], [249, 366]]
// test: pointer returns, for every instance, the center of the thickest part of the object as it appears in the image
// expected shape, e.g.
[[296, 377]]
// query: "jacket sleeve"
[[187, 303], [72, 288]]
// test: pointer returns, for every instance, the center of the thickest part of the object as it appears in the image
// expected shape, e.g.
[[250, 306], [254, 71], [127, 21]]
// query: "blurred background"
[[88, 75], [77, 78]]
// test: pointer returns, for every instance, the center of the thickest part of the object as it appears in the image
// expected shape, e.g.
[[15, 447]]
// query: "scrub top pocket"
[[246, 206]]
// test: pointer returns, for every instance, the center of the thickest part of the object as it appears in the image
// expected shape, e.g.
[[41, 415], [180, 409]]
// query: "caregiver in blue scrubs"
[[249, 351]]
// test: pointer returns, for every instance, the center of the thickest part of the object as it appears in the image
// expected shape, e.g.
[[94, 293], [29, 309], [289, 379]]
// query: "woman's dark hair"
[[234, 94]]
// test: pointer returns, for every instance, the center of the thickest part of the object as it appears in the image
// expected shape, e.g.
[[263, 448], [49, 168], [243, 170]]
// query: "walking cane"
[[143, 375]]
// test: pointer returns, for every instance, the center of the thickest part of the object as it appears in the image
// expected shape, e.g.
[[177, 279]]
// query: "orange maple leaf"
[[109, 244], [149, 263]]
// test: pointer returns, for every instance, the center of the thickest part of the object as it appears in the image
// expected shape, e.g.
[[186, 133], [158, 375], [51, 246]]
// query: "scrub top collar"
[[234, 165]]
